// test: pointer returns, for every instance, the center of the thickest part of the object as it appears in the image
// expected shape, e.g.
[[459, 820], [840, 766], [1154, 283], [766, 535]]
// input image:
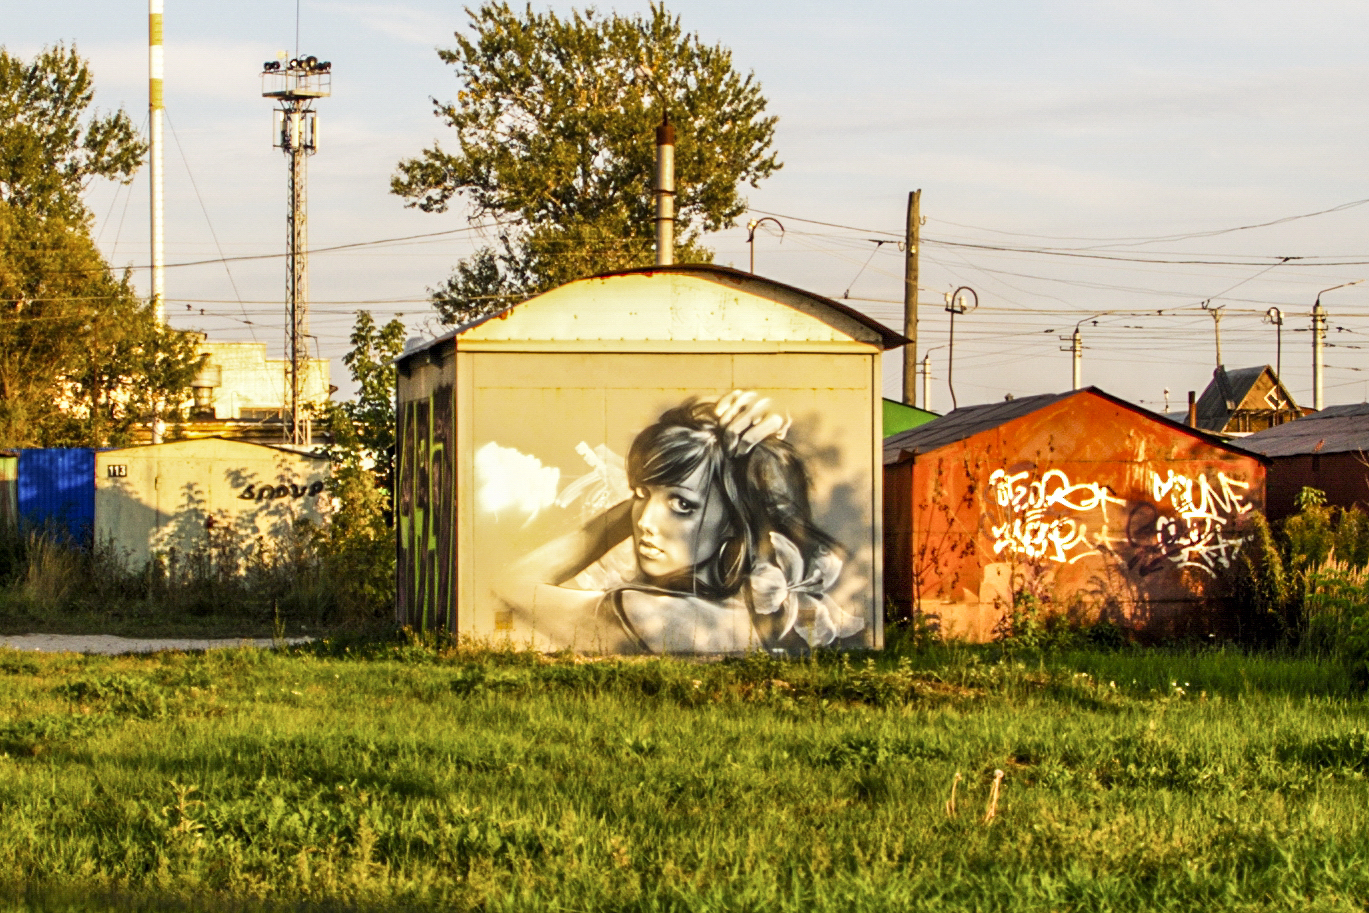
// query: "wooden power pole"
[[910, 246]]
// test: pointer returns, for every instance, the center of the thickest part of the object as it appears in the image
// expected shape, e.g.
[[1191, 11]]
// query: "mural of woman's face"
[[674, 527]]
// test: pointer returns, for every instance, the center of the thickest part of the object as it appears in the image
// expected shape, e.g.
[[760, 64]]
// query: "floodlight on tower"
[[294, 84]]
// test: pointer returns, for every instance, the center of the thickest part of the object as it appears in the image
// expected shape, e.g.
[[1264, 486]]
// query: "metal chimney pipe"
[[665, 192], [155, 108], [1192, 420]]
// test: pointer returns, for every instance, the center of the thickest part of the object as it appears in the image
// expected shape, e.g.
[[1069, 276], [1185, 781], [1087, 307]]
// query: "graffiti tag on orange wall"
[[1040, 524], [1188, 521]]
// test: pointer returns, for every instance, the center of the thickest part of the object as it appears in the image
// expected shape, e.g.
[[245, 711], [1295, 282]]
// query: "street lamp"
[[751, 236], [926, 371], [1318, 333], [1076, 351], [957, 302], [1275, 316]]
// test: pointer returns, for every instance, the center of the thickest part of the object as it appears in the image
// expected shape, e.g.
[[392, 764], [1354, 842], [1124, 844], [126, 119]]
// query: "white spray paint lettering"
[[1040, 524], [1200, 536]]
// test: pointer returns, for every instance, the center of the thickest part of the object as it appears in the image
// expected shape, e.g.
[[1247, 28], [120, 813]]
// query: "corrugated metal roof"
[[1337, 429], [971, 420], [963, 423], [889, 339]]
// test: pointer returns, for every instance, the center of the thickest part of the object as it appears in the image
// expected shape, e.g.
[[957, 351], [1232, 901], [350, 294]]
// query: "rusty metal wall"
[[1091, 508], [1343, 477]]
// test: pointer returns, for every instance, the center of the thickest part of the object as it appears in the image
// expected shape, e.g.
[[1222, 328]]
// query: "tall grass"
[[398, 775], [309, 580]]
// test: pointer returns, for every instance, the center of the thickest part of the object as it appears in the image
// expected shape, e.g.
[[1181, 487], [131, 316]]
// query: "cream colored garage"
[[571, 473], [176, 496]]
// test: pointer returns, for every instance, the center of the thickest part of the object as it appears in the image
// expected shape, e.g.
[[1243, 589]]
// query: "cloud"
[[402, 23]]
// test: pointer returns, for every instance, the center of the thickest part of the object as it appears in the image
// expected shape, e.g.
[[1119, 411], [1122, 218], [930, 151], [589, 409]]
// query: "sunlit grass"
[[399, 776]]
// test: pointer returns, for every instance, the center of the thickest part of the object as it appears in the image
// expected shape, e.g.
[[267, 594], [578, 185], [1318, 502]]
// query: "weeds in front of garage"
[[230, 587]]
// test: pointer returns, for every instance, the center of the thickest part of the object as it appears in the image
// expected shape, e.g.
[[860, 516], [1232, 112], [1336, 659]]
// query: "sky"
[[1081, 164]]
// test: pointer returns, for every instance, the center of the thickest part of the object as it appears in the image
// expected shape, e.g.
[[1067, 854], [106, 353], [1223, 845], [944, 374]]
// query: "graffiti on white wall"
[[1045, 517], [1188, 521]]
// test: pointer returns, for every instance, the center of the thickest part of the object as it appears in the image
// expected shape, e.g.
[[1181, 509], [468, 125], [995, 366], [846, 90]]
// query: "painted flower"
[[782, 586]]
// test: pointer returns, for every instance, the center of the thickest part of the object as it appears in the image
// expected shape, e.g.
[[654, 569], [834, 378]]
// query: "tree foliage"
[[555, 144], [367, 424], [357, 544], [82, 360], [49, 148]]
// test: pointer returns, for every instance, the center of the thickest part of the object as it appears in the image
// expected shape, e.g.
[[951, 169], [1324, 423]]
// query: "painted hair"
[[762, 491]]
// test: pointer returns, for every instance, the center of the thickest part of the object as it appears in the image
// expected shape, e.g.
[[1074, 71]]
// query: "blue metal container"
[[57, 489]]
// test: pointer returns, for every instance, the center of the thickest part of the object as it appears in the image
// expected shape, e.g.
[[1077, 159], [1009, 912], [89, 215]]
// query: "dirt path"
[[109, 645]]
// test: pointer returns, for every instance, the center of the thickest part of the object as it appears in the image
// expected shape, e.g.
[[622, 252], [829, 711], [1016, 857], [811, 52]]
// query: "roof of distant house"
[[1337, 429], [1225, 393]]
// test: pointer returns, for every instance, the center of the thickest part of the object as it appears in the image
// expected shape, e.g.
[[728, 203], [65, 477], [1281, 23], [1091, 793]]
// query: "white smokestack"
[[155, 107]]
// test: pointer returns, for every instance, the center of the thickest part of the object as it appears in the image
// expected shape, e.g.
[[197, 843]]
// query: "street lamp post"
[[751, 236], [1318, 334], [957, 302], [1275, 316]]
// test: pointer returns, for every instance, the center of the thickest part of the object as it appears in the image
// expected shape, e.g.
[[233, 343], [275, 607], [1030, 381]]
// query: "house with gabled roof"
[[1244, 401], [1077, 503]]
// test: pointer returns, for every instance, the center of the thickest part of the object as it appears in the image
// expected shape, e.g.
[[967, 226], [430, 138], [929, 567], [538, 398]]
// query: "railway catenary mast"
[[294, 84]]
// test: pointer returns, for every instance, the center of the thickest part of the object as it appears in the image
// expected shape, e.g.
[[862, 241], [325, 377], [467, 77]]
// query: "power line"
[[213, 234]]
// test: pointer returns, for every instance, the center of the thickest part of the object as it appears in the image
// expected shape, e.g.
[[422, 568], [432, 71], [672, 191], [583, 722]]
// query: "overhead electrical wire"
[[212, 233]]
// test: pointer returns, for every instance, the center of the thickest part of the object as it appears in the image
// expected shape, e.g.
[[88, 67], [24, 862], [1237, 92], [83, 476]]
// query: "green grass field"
[[397, 776]]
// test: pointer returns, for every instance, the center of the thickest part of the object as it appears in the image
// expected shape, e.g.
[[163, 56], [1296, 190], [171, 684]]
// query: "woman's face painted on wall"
[[674, 527]]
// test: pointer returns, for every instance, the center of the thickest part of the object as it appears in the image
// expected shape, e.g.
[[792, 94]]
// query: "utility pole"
[[1318, 332], [1275, 316], [927, 381], [156, 106], [295, 86], [751, 235], [1217, 329], [1318, 335], [911, 242], [1077, 348], [957, 302]]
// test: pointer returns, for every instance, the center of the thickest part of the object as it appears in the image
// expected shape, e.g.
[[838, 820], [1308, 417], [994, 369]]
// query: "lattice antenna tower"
[[294, 84]]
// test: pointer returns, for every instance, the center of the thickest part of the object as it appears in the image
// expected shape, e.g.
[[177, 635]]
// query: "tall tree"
[[82, 360], [555, 144], [50, 148]]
